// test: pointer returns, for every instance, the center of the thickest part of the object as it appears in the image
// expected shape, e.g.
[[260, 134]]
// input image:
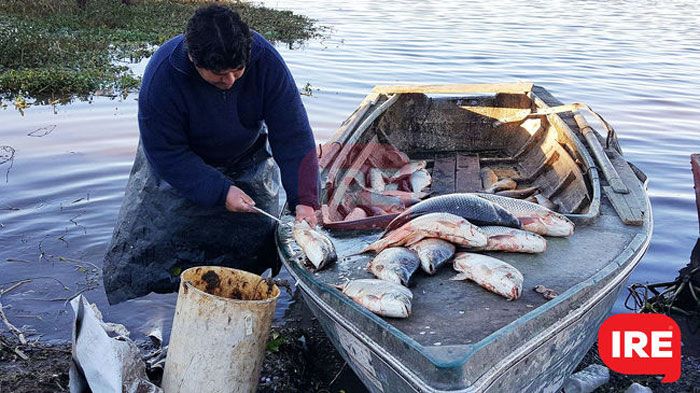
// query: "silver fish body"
[[376, 180], [446, 226], [513, 240], [533, 217], [545, 202], [467, 206], [490, 273], [380, 297], [420, 179], [318, 248], [395, 264], [407, 170], [433, 253], [488, 178], [519, 193], [502, 185]]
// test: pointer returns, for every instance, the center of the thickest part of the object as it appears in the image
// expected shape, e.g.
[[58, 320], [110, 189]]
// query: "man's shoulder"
[[161, 71], [262, 48]]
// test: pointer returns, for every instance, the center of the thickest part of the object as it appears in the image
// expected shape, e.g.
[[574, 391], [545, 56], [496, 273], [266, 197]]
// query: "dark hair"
[[217, 39]]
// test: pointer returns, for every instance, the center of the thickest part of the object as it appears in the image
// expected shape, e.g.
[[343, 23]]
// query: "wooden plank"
[[444, 175], [349, 145], [630, 207], [467, 174], [516, 87], [604, 163]]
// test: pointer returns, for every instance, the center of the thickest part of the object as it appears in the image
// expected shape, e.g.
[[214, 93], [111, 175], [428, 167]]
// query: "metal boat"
[[460, 337]]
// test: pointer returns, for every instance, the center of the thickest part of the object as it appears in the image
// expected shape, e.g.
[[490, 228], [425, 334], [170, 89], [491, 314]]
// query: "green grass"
[[52, 50]]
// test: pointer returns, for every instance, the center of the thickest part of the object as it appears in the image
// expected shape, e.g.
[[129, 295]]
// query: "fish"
[[356, 214], [406, 197], [420, 179], [513, 240], [518, 193], [468, 206], [367, 197], [407, 170], [490, 273], [533, 217], [374, 211], [360, 178], [444, 226], [381, 297], [546, 202], [488, 177], [395, 264], [433, 253], [391, 187], [501, 185], [318, 248], [376, 180]]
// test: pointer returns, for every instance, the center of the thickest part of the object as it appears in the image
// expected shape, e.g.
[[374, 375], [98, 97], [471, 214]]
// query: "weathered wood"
[[516, 87], [349, 145], [444, 175], [628, 206], [467, 174], [604, 163]]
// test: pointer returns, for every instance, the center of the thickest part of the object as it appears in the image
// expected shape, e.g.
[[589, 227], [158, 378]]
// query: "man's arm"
[[291, 138]]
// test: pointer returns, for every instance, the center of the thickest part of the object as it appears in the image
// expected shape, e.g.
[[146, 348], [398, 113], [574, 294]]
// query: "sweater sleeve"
[[164, 138], [291, 138]]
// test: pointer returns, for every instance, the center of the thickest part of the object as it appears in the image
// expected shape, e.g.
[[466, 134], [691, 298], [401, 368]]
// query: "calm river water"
[[636, 62]]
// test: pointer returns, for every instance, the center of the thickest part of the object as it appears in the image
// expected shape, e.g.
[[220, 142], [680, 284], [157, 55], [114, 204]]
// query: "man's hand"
[[238, 201], [307, 213]]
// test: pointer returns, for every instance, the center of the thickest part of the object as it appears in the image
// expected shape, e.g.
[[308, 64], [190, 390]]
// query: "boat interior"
[[458, 136]]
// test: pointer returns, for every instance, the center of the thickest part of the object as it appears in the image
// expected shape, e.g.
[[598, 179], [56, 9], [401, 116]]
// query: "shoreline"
[[299, 358]]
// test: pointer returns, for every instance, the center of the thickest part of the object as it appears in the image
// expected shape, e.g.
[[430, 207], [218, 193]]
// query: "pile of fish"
[[429, 234], [507, 187], [387, 183]]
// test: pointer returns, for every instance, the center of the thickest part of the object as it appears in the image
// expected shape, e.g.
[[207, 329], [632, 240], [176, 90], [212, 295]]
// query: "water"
[[634, 62]]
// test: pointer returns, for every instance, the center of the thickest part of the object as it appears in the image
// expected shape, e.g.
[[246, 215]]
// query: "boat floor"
[[447, 312]]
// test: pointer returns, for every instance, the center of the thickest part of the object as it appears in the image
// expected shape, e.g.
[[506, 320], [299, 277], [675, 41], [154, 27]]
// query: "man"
[[210, 102]]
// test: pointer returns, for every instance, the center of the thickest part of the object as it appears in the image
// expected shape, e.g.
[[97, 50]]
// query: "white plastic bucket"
[[220, 330]]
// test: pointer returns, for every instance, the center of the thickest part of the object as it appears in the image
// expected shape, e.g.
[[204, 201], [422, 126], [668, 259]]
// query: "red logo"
[[641, 344]]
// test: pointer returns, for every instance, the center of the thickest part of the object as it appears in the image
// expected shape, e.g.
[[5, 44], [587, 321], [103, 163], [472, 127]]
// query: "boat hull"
[[539, 365]]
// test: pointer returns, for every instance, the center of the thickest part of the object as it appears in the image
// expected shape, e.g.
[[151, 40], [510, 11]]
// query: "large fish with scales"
[[476, 210], [444, 226], [318, 248], [395, 264], [490, 273], [433, 253], [380, 297], [533, 217], [513, 240]]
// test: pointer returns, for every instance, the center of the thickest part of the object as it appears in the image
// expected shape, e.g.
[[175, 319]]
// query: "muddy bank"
[[298, 358]]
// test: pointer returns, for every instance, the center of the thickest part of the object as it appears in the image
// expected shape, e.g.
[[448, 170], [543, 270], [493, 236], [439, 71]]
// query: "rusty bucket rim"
[[191, 285]]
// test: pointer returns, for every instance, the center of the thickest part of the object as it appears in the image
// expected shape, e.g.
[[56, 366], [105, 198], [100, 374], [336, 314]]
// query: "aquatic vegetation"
[[53, 49]]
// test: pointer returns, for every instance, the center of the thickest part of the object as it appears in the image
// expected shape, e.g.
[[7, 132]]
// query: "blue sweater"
[[188, 126]]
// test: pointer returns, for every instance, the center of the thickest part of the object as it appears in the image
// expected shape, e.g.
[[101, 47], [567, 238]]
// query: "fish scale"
[[477, 211]]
